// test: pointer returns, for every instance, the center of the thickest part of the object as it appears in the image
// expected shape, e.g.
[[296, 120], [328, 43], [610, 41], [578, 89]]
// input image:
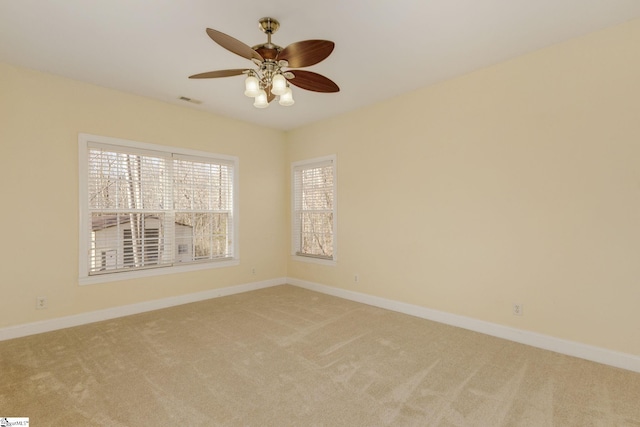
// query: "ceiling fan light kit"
[[261, 100], [286, 98], [269, 80], [252, 86], [278, 84]]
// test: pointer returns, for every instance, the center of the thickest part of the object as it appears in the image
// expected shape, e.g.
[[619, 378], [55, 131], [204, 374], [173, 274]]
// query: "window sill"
[[163, 271], [314, 260]]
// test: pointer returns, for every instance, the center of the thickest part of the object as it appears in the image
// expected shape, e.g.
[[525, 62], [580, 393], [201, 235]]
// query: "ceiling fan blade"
[[219, 73], [306, 53], [312, 81], [233, 45]]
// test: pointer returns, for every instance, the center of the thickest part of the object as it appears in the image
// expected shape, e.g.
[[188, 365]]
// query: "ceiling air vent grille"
[[191, 100]]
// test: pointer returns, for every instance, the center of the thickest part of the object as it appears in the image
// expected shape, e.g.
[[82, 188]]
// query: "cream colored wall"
[[40, 118], [515, 183]]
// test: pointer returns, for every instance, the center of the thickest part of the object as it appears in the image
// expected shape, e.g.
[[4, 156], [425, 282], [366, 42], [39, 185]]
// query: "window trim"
[[309, 258], [83, 203]]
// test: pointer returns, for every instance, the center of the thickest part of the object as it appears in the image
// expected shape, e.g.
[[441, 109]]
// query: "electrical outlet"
[[41, 302], [253, 271], [518, 309], [356, 278]]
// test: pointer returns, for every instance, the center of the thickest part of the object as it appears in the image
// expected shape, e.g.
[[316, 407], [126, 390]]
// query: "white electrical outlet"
[[41, 302], [518, 309], [356, 278]]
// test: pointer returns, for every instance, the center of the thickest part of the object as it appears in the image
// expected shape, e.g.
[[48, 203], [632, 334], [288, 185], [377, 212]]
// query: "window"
[[314, 209], [147, 209]]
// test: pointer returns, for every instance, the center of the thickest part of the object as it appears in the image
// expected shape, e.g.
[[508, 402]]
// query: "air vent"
[[191, 100]]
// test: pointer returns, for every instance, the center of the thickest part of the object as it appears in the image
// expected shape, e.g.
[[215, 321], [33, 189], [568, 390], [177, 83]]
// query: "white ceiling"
[[383, 47]]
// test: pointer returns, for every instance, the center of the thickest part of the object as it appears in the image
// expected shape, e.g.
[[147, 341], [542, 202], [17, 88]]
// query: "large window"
[[146, 207], [314, 209]]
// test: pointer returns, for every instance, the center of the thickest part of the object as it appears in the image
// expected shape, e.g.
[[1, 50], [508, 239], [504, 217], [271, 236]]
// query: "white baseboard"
[[570, 348], [126, 310]]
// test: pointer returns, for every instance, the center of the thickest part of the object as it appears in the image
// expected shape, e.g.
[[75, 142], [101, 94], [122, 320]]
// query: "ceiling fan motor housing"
[[268, 51]]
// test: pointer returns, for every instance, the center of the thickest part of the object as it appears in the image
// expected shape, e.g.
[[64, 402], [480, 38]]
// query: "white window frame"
[[84, 141], [310, 163]]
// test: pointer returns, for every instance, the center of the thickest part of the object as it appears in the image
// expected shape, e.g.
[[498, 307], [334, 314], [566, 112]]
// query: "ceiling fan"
[[270, 79]]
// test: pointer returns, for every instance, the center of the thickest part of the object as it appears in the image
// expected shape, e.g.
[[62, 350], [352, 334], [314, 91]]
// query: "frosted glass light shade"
[[261, 100], [286, 98], [251, 87], [278, 84]]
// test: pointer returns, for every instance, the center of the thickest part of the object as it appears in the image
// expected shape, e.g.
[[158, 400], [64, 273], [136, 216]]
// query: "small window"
[[314, 209], [147, 206]]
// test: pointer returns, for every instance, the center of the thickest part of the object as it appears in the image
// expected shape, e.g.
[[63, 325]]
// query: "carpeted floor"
[[285, 356]]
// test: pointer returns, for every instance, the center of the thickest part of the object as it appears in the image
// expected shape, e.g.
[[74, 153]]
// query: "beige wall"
[[40, 118], [515, 183]]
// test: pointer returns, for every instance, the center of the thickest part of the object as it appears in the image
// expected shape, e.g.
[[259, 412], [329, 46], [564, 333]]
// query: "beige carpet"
[[286, 356]]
